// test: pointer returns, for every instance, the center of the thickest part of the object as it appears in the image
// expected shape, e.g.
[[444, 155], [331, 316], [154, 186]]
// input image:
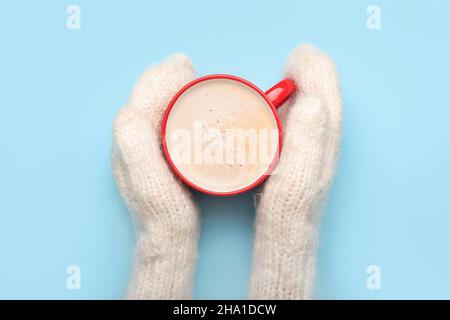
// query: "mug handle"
[[280, 92]]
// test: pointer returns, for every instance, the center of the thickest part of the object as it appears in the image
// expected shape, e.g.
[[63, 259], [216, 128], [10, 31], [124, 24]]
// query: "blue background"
[[60, 90]]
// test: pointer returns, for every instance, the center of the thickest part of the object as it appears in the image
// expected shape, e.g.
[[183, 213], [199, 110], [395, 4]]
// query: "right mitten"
[[290, 206]]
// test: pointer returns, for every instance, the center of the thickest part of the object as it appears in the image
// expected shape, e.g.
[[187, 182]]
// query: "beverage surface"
[[222, 135]]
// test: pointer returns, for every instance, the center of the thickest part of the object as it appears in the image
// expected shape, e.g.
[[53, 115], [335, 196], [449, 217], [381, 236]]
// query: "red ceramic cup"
[[274, 97]]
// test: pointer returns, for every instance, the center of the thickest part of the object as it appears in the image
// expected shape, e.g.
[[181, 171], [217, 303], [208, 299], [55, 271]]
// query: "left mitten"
[[165, 216]]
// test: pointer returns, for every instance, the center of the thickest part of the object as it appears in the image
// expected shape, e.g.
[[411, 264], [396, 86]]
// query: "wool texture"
[[165, 217], [289, 208]]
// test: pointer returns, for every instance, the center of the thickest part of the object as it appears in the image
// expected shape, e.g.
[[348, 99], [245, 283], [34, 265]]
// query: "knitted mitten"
[[165, 217], [289, 209]]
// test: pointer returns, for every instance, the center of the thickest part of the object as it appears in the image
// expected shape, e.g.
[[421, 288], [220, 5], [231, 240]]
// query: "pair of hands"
[[287, 209]]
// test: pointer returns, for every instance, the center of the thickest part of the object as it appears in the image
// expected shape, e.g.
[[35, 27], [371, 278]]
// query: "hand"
[[165, 216], [288, 212], [289, 209]]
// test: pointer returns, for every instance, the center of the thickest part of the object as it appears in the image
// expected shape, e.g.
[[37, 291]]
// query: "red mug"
[[274, 98]]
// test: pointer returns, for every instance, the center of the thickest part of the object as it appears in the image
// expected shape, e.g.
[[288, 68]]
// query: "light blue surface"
[[60, 89]]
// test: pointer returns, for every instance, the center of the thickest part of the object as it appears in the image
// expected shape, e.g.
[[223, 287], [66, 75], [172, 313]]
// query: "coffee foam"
[[221, 106]]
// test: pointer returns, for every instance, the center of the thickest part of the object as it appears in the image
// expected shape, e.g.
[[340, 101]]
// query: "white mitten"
[[165, 217], [289, 209]]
